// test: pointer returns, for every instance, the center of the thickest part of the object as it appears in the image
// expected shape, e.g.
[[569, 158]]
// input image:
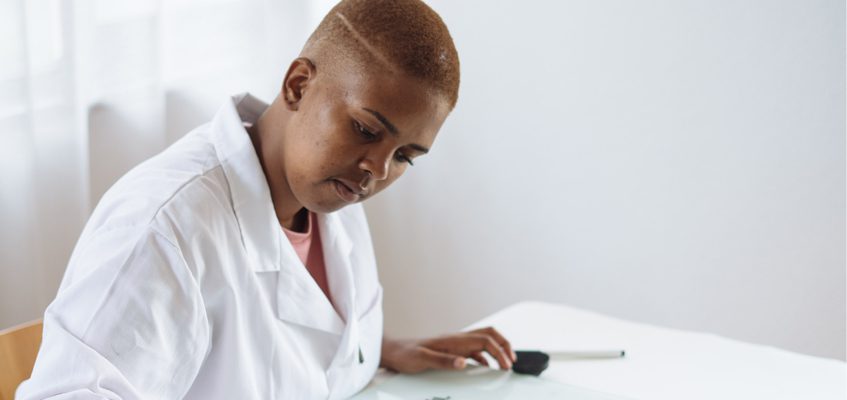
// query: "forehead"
[[409, 103]]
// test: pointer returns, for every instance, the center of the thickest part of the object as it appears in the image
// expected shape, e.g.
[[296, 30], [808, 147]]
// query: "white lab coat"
[[183, 285]]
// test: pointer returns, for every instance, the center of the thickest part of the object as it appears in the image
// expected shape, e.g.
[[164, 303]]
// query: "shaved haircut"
[[389, 35]]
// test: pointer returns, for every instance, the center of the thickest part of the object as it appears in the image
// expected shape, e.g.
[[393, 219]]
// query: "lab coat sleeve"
[[130, 325]]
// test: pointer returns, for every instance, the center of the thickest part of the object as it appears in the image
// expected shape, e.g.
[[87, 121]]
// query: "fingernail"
[[514, 356], [459, 363]]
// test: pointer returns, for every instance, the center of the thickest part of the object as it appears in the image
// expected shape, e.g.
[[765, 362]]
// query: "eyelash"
[[404, 159], [363, 131], [371, 136]]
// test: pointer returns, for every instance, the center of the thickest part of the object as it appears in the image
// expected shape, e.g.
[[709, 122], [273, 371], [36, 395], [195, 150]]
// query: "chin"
[[324, 207]]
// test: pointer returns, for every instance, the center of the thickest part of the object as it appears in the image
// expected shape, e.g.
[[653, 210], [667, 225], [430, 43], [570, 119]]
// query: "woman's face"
[[353, 134]]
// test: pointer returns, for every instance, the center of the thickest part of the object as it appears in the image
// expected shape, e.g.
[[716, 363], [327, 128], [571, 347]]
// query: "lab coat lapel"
[[342, 284], [337, 247], [299, 298], [251, 198]]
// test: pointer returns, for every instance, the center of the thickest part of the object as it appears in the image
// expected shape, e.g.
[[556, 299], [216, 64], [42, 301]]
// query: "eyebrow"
[[393, 129]]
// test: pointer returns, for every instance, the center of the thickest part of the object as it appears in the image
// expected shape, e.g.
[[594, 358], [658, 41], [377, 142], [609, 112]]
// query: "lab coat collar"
[[251, 197], [299, 299]]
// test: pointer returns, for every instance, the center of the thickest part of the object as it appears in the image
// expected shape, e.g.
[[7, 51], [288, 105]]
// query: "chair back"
[[18, 349]]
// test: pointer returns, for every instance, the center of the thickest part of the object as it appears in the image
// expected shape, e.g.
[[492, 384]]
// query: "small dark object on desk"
[[530, 362]]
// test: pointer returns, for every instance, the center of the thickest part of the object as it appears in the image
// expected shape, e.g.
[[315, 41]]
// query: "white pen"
[[570, 355]]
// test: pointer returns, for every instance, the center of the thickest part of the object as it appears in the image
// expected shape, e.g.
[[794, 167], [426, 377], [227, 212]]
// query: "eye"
[[367, 134], [402, 158]]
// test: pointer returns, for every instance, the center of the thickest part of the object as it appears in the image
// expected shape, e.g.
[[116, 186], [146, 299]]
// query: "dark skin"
[[332, 138]]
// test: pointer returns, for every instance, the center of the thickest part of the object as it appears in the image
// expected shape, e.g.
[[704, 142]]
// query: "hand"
[[446, 352]]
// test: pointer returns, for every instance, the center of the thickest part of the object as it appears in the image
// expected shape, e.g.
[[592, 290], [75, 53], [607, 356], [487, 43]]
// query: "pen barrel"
[[571, 355]]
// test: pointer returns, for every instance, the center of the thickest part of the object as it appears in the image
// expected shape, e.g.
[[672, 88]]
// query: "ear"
[[300, 74]]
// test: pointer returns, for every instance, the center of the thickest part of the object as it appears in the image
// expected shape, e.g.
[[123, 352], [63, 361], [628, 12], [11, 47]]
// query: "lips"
[[348, 191]]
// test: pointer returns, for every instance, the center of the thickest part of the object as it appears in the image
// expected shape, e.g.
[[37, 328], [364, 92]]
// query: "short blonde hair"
[[404, 34]]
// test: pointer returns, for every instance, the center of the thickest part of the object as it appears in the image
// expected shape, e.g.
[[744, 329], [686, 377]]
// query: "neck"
[[266, 135]]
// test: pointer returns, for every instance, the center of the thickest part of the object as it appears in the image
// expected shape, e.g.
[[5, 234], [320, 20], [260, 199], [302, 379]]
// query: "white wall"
[[680, 163]]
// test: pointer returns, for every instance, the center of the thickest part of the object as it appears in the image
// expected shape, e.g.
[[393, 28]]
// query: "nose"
[[376, 163]]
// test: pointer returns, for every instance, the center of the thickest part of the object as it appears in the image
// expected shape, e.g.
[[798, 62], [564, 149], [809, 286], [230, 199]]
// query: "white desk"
[[663, 363]]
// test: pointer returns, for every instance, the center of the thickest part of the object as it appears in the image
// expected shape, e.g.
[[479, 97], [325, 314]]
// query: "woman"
[[237, 263]]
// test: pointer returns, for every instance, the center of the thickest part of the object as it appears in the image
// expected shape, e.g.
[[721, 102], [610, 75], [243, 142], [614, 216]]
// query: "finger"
[[494, 349], [478, 357], [501, 340], [438, 360]]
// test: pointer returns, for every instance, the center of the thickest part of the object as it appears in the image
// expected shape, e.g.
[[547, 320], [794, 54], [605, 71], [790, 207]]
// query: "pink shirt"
[[307, 245]]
